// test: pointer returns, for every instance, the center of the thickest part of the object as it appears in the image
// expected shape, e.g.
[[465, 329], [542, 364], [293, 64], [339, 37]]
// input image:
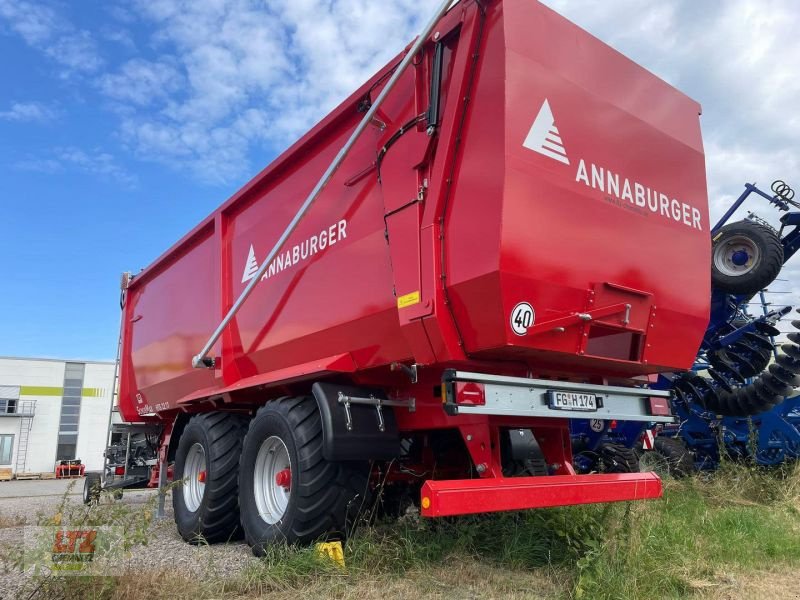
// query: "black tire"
[[92, 486], [752, 278], [678, 458], [616, 458], [217, 517], [324, 497]]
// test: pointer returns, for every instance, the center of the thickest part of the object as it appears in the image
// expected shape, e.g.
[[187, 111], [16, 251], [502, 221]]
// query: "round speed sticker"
[[522, 317], [597, 425]]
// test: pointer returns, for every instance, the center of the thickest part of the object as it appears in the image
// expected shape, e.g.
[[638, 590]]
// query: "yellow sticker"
[[408, 299]]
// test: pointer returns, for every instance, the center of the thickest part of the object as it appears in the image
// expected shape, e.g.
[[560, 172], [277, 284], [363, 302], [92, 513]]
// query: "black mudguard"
[[364, 441]]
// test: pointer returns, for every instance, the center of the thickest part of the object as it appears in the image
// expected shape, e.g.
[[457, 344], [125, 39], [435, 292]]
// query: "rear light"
[[612, 424], [659, 407], [119, 470], [470, 394]]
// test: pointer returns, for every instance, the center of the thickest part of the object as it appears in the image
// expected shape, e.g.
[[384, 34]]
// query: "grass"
[[713, 535]]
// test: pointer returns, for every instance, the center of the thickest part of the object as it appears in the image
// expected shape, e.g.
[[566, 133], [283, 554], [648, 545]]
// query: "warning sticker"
[[408, 300]]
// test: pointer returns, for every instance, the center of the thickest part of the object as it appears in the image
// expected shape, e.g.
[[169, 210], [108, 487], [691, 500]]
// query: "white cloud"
[[739, 59], [35, 23], [250, 74], [95, 162], [119, 36], [29, 111], [141, 82], [39, 165], [49, 32]]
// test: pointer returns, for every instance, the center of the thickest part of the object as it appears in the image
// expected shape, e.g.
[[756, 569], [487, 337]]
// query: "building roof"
[[64, 360]]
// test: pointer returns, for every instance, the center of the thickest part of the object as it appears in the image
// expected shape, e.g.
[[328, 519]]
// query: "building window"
[[70, 411], [6, 448], [9, 398]]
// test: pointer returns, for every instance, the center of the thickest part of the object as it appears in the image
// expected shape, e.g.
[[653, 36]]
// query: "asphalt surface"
[[40, 487]]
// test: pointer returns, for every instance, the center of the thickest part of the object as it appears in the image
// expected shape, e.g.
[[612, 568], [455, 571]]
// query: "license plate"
[[571, 401]]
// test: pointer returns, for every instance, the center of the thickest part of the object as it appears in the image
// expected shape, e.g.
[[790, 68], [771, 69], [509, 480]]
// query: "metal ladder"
[[126, 277], [26, 410]]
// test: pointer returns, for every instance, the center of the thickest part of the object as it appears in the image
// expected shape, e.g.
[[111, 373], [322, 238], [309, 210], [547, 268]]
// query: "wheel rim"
[[194, 473], [272, 479], [736, 256]]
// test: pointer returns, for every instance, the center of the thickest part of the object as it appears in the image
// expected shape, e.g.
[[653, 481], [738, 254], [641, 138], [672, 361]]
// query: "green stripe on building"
[[49, 390]]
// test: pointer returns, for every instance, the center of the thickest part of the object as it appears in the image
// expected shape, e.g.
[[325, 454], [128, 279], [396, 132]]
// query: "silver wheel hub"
[[272, 479], [736, 256], [194, 474]]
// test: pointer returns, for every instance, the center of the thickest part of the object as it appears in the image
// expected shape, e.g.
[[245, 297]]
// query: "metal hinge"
[[422, 190]]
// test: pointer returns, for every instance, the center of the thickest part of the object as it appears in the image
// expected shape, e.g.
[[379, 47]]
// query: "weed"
[[742, 519]]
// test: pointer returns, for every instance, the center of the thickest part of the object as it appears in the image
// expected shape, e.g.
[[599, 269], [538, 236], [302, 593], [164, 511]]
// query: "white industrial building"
[[52, 410]]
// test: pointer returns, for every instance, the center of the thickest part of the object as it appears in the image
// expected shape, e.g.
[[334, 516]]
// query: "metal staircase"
[[26, 411]]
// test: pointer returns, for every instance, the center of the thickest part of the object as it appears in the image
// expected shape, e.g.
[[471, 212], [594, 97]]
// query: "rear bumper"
[[523, 397], [470, 496]]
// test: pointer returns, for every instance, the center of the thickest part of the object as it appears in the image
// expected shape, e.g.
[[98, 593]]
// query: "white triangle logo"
[[251, 266], [544, 137]]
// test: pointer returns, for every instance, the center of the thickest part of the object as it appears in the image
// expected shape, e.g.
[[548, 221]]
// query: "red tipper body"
[[554, 224]]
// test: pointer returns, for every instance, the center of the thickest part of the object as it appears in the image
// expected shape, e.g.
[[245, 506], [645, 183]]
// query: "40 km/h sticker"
[[522, 317]]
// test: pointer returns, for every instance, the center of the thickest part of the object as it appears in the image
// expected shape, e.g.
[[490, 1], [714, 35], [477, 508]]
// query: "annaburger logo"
[[545, 139], [251, 266], [297, 253], [543, 136]]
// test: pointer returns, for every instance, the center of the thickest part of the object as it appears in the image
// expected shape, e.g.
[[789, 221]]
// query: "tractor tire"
[[288, 492], [206, 506], [616, 458], [92, 486], [745, 257], [679, 460]]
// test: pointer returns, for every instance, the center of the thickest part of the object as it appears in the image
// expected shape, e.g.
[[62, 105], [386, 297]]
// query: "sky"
[[123, 124]]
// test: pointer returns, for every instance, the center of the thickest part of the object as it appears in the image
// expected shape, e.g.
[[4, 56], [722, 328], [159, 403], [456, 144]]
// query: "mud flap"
[[363, 439]]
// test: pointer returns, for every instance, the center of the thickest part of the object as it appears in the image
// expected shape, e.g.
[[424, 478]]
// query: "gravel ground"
[[164, 548]]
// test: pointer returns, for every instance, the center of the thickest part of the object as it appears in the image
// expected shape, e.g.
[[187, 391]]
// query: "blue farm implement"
[[739, 395]]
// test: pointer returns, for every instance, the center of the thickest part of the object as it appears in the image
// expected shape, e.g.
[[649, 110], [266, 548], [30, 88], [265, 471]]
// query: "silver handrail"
[[201, 359]]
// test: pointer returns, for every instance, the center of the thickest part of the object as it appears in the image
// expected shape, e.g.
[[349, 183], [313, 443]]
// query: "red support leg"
[[483, 444]]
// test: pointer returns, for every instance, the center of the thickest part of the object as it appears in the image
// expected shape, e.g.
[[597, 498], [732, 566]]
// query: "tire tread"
[[324, 502]]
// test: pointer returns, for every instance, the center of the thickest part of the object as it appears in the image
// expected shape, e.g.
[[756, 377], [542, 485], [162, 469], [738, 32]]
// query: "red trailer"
[[520, 236]]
